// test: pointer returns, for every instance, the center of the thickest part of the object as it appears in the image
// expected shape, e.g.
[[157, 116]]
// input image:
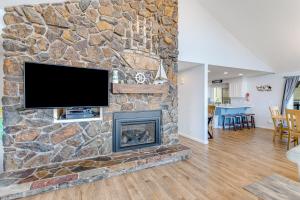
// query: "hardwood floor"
[[215, 171]]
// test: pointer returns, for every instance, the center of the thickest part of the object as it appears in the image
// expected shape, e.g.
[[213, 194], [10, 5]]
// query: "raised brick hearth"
[[32, 181]]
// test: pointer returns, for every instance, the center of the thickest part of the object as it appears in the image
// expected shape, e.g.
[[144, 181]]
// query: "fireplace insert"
[[134, 130]]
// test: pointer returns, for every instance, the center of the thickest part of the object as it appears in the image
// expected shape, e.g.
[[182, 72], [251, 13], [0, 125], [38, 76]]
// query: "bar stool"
[[245, 121], [238, 121], [230, 123], [249, 120], [252, 116]]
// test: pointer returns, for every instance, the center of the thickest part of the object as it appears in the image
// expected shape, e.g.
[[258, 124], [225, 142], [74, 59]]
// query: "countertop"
[[233, 106]]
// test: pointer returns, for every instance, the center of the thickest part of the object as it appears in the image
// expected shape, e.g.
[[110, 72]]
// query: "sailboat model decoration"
[[161, 76]]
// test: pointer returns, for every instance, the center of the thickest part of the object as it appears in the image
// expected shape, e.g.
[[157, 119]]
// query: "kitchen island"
[[228, 109]]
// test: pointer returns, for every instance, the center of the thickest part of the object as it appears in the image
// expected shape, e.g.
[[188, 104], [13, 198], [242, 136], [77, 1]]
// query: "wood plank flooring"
[[275, 187], [216, 171]]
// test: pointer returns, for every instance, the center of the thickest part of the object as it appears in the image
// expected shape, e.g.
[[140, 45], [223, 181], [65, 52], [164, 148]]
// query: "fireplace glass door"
[[138, 133], [135, 130]]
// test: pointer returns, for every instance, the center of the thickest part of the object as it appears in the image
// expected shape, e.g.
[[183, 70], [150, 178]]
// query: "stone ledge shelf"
[[28, 182], [139, 89]]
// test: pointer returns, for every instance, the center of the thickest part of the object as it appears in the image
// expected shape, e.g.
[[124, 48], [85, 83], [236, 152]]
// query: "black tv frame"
[[24, 75]]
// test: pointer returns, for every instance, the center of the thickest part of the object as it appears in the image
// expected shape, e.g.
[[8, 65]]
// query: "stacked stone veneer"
[[128, 35]]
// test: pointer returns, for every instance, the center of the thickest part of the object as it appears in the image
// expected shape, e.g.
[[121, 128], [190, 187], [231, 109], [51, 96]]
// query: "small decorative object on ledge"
[[161, 76], [115, 77], [264, 88], [247, 96], [140, 78]]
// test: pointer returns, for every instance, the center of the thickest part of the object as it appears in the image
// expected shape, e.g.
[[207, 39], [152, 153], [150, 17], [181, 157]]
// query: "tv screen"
[[53, 86]]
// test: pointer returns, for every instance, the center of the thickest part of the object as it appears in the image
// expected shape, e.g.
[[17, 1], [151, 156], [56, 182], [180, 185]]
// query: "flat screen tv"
[[54, 86]]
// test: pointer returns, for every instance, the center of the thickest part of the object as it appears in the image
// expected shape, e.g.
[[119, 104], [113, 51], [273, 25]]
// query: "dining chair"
[[211, 113], [211, 109], [275, 111], [279, 125], [293, 121]]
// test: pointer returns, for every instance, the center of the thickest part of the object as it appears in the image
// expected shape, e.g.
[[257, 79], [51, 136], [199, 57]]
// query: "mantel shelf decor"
[[161, 76], [139, 89]]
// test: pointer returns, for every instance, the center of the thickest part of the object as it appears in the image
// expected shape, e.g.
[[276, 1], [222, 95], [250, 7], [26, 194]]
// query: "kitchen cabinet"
[[237, 88]]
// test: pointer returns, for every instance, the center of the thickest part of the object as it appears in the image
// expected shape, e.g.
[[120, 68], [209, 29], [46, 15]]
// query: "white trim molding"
[[205, 103], [193, 138]]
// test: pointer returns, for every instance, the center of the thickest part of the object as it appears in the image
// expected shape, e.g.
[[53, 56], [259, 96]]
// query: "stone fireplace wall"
[[128, 35]]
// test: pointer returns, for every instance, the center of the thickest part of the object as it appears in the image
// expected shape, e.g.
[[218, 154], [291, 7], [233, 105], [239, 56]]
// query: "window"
[[296, 98]]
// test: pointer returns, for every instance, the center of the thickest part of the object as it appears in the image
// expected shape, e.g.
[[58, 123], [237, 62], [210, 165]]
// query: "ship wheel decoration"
[[140, 78]]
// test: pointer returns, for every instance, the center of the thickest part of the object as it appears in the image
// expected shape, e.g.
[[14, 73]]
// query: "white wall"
[[262, 100], [192, 108], [202, 39]]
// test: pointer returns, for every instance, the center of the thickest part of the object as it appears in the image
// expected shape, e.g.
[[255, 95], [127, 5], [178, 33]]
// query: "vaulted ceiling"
[[270, 29]]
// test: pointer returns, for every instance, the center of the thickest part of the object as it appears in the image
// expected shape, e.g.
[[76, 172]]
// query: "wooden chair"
[[293, 121], [274, 110], [211, 110], [278, 122], [211, 113]]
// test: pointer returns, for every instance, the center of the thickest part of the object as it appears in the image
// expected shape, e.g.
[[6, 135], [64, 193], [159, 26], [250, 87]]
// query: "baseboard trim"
[[261, 127], [193, 138], [266, 128]]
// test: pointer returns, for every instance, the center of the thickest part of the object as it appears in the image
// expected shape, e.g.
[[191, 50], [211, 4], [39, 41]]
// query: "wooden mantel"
[[139, 89]]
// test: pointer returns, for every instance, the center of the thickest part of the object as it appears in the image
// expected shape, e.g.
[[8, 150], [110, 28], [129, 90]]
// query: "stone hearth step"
[[27, 182]]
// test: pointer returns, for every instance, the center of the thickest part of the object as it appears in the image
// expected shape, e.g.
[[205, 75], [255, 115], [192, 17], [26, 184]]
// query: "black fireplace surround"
[[134, 130]]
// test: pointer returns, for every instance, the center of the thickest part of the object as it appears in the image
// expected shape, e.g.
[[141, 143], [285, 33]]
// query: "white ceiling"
[[217, 72], [183, 66], [270, 29]]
